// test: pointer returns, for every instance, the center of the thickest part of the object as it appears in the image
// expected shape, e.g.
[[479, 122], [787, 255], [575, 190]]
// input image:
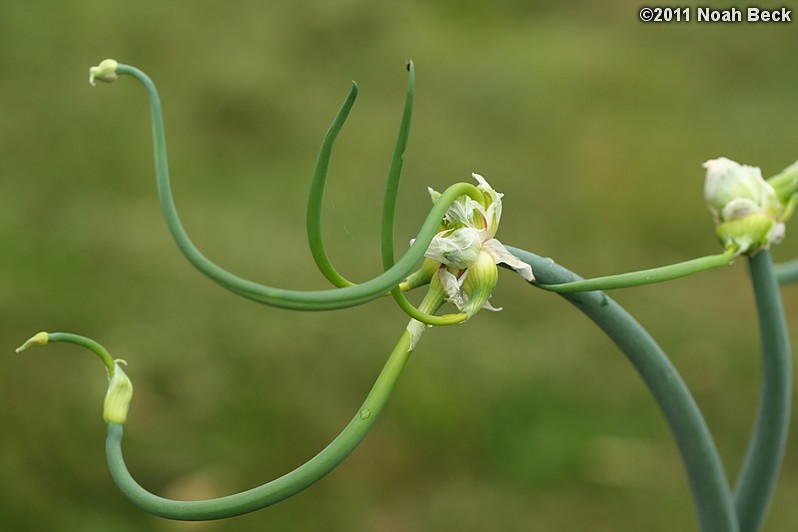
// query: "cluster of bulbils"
[[463, 256], [749, 211], [464, 253]]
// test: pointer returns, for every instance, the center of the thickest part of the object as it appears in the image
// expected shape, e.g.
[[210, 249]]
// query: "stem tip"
[[37, 339], [105, 72]]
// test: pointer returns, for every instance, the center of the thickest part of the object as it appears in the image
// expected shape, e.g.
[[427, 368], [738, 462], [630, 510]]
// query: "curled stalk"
[[120, 389], [291, 299], [644, 277], [289, 484], [389, 211], [313, 216], [278, 489], [708, 483], [389, 205], [253, 499]]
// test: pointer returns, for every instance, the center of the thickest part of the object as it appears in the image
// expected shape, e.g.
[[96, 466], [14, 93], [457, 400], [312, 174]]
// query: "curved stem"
[[290, 299], [389, 210], [276, 490], [708, 482], [760, 469], [423, 317], [643, 277], [395, 172], [44, 338], [317, 194], [389, 204], [787, 272]]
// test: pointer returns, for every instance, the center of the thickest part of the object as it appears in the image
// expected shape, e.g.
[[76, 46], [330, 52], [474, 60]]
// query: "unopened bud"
[[746, 209], [118, 396], [479, 283], [105, 72]]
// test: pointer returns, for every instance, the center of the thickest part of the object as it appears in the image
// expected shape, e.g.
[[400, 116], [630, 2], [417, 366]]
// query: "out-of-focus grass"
[[593, 125]]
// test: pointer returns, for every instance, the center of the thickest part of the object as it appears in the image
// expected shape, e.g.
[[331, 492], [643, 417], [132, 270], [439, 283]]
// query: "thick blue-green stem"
[[760, 470], [276, 490], [708, 482], [787, 272], [290, 299]]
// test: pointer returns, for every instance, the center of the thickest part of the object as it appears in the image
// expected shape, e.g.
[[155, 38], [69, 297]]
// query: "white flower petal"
[[493, 212], [481, 180], [776, 235], [727, 181], [500, 254], [464, 212], [453, 287], [458, 248], [434, 194], [739, 208]]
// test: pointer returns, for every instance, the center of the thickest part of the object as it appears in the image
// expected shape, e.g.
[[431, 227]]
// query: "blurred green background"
[[593, 124]]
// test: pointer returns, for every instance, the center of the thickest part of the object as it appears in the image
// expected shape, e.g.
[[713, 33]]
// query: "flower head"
[[746, 208], [468, 252]]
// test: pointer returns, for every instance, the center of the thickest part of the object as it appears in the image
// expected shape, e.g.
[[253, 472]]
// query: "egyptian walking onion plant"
[[458, 258]]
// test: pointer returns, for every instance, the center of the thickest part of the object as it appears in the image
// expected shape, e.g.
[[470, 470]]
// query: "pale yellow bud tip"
[[37, 339], [118, 396], [105, 72]]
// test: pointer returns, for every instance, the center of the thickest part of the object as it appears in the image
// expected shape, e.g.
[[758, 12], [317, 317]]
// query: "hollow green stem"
[[787, 272], [290, 483], [389, 205], [120, 389], [313, 216], [389, 210], [276, 490], [290, 299], [760, 470], [423, 317], [44, 338], [709, 485], [643, 277], [395, 172]]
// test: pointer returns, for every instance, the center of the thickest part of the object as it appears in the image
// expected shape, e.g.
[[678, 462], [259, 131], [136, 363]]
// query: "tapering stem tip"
[[37, 339]]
